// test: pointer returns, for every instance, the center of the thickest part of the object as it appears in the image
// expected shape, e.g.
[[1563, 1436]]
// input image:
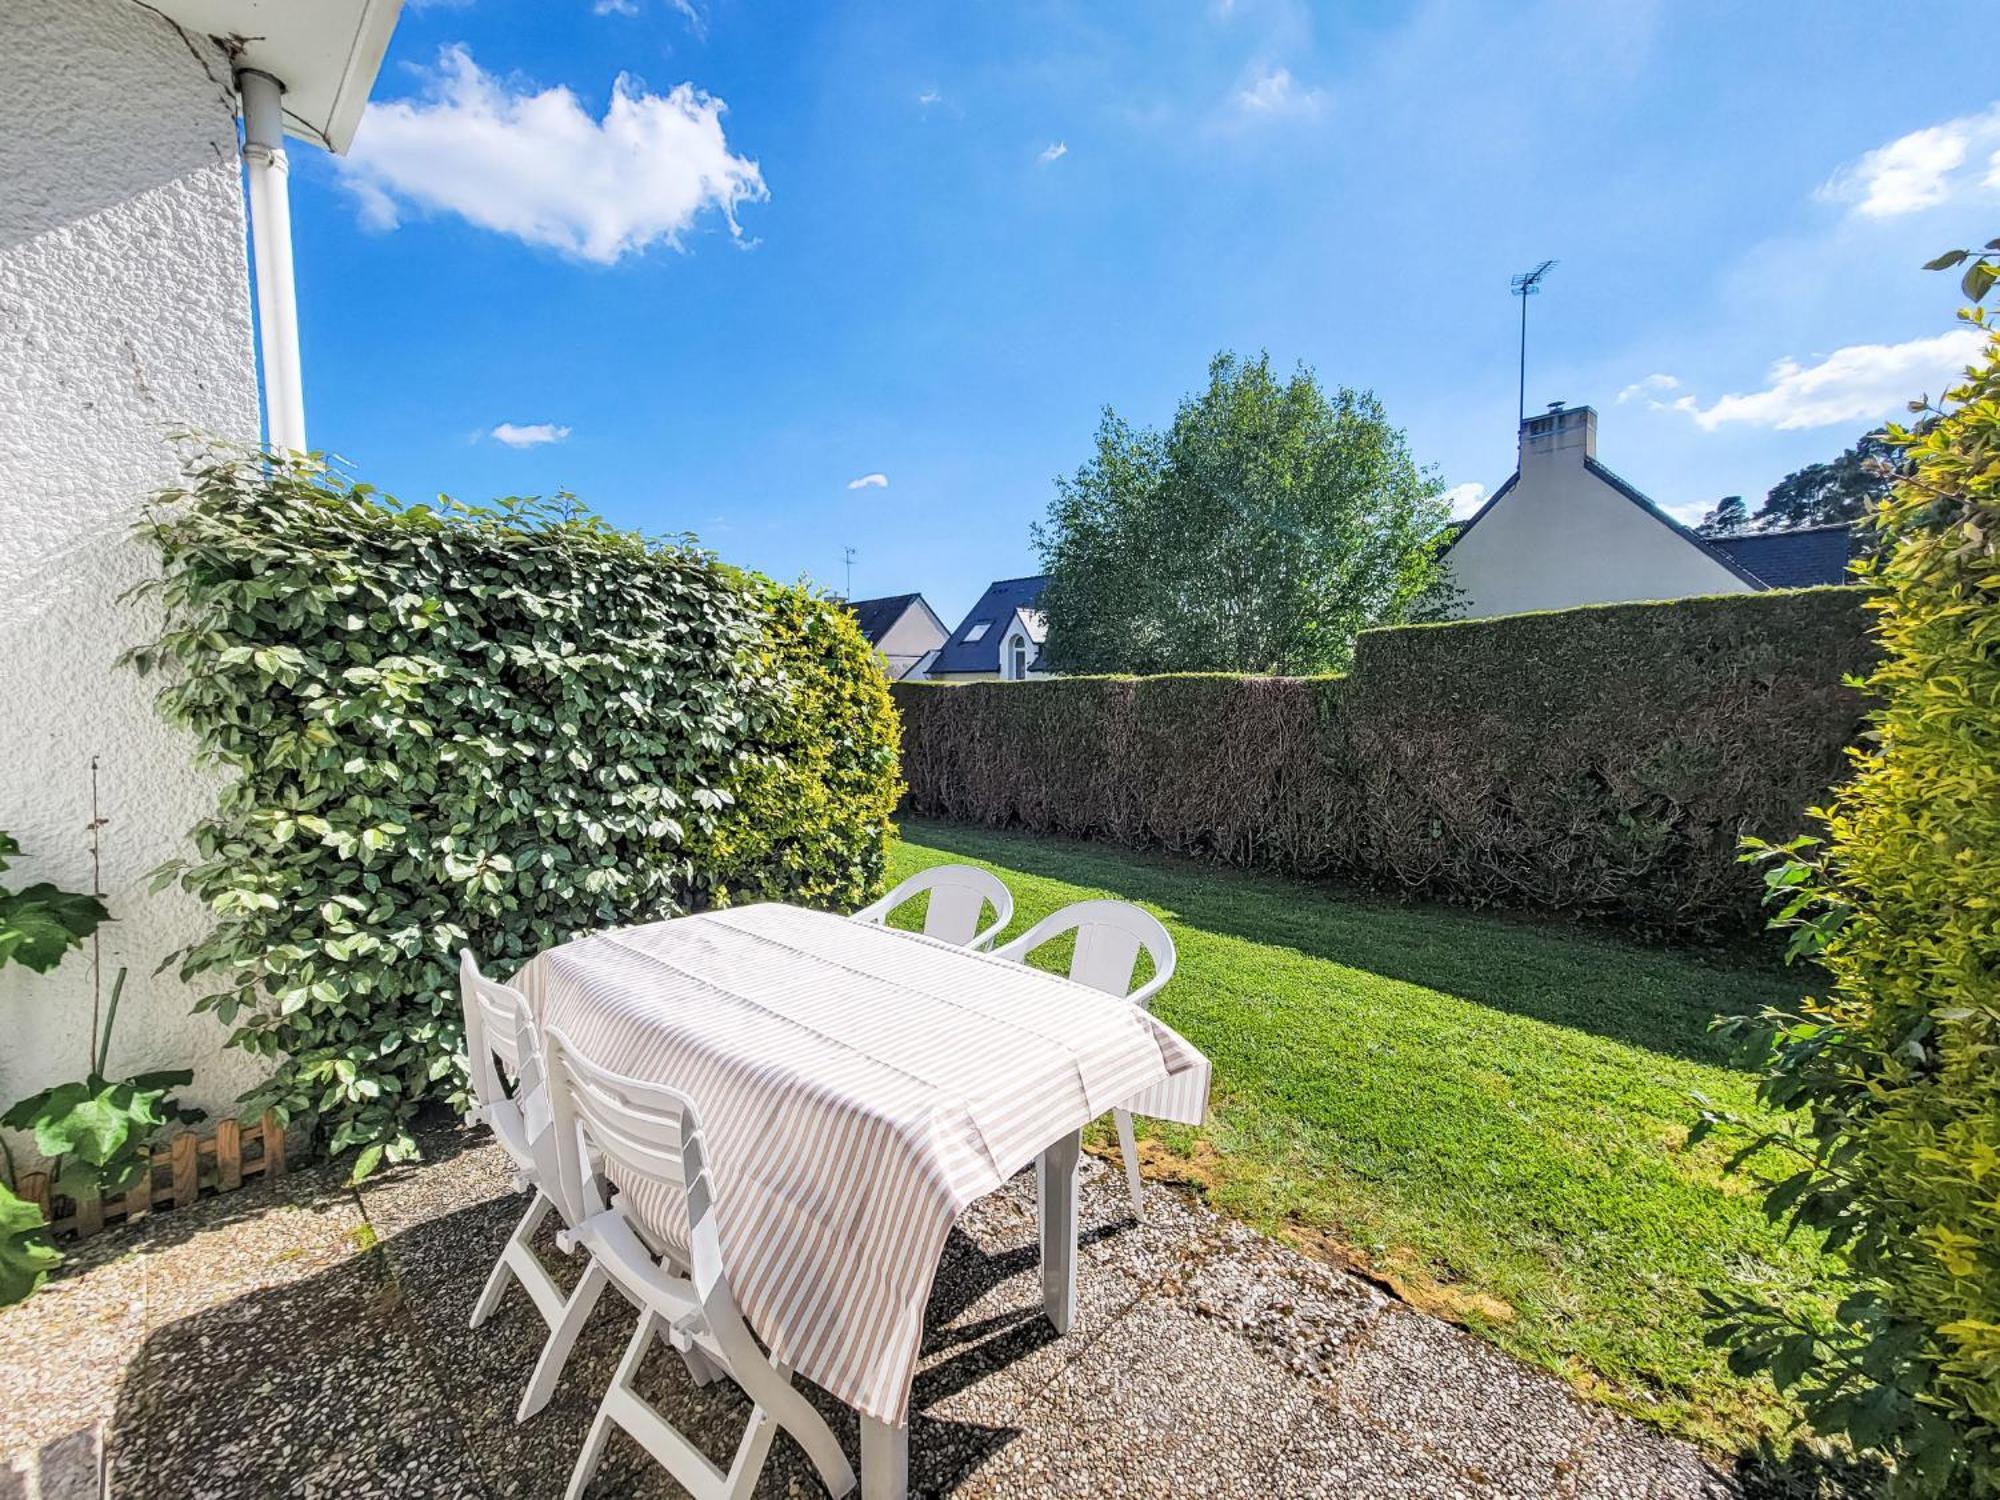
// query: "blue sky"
[[928, 242]]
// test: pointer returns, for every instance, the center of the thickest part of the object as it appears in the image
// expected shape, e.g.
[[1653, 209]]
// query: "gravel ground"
[[309, 1340]]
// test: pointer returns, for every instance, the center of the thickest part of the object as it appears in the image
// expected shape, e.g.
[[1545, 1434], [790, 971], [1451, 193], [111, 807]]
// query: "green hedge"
[[1601, 761], [500, 727]]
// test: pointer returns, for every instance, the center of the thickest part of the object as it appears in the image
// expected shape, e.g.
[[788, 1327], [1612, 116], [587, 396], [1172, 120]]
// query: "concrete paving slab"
[[309, 1339]]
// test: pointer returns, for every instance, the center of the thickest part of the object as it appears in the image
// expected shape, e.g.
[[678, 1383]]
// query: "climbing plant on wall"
[[444, 725]]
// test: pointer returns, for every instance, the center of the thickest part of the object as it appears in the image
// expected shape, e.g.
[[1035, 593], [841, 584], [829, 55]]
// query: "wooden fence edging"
[[187, 1167]]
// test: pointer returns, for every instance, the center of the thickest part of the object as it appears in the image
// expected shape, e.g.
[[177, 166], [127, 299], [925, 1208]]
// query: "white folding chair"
[[959, 896], [1109, 935], [649, 1133], [500, 1035]]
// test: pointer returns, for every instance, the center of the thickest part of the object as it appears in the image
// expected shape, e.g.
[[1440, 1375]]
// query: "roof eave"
[[325, 53], [357, 80]]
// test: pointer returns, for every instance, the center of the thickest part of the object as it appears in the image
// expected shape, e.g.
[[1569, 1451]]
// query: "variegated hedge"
[[443, 725]]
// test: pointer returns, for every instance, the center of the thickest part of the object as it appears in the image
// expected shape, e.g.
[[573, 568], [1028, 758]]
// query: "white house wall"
[[124, 311], [915, 635], [1563, 537]]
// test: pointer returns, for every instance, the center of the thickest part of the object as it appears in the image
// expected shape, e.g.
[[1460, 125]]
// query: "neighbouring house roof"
[[973, 649], [1794, 559], [1638, 498], [326, 53], [877, 617]]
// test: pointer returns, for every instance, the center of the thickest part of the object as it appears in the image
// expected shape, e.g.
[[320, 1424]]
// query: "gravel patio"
[[308, 1339]]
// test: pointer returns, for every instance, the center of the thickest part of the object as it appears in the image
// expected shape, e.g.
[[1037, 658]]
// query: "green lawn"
[[1488, 1114]]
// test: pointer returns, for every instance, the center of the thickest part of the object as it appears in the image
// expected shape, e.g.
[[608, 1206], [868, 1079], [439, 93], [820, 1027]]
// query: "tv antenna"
[[1526, 285], [847, 560]]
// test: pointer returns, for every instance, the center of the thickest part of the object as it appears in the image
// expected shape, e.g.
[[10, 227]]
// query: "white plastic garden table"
[[860, 1088]]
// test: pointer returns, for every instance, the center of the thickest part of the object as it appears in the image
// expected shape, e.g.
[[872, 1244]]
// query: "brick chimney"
[[1561, 437]]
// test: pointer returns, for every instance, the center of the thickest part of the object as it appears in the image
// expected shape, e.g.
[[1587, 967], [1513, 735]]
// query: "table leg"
[[1055, 1196], [885, 1460]]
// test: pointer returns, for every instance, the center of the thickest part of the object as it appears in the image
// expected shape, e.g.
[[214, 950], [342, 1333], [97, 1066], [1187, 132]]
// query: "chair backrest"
[[643, 1130], [500, 1034], [493, 1012], [959, 897], [1109, 935]]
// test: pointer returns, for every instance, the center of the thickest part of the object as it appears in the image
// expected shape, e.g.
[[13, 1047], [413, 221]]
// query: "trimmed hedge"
[[501, 727], [1601, 761]]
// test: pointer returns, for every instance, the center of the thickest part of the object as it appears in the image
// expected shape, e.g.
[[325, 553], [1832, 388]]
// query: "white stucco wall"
[[124, 311], [1563, 537]]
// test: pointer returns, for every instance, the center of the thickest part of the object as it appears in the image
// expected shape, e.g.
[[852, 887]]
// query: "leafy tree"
[[1270, 523], [1729, 516], [1845, 489]]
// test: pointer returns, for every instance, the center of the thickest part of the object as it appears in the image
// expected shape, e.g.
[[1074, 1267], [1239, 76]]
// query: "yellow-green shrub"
[[819, 780], [1897, 1068]]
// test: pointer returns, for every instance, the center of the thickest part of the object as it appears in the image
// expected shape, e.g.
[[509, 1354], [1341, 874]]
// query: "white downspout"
[[271, 255]]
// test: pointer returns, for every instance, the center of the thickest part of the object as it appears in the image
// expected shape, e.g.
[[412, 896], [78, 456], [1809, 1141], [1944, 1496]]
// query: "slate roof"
[[1794, 559], [996, 608], [876, 616]]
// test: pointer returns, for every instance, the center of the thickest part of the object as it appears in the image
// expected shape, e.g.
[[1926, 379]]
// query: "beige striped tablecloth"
[[858, 1087]]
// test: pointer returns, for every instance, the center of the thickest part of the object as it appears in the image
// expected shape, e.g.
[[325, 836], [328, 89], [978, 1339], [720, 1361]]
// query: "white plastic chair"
[[500, 1035], [1109, 935], [649, 1132], [959, 896]]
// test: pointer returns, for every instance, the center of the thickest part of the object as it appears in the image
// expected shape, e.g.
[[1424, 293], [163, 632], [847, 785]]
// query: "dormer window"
[[1017, 659]]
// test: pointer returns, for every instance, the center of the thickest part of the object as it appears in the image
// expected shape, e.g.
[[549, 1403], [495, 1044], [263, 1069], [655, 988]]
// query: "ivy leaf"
[[26, 1256], [1978, 279], [102, 1127], [40, 924]]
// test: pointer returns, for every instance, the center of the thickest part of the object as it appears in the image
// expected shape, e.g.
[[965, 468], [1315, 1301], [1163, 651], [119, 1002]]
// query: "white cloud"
[[1276, 95], [1862, 382], [528, 434], [1055, 151], [929, 97], [1919, 170], [684, 8], [1465, 499], [1651, 386], [537, 165], [869, 482]]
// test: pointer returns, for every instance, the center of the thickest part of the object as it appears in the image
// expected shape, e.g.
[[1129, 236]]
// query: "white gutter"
[[271, 254]]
